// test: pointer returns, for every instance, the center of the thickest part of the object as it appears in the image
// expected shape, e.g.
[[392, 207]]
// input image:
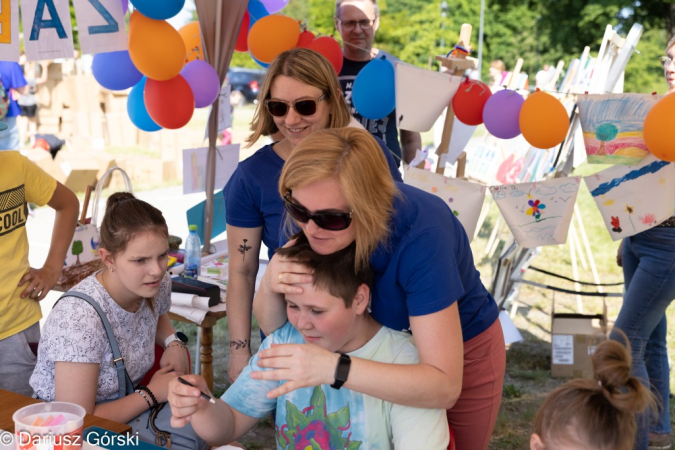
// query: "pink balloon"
[[501, 114], [203, 81]]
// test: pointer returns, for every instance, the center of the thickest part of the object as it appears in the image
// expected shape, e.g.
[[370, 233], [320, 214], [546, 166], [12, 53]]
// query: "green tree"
[[77, 250]]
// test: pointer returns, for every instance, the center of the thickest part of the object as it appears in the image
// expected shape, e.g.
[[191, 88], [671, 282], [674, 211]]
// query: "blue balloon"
[[256, 11], [260, 63], [374, 91], [115, 71], [136, 108], [158, 9]]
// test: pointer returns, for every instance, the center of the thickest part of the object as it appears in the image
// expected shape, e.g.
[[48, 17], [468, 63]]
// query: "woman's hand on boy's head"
[[186, 400], [303, 365], [40, 282], [282, 275]]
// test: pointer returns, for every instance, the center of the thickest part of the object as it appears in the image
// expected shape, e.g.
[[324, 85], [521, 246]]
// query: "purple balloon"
[[501, 114], [273, 6], [203, 80], [125, 6]]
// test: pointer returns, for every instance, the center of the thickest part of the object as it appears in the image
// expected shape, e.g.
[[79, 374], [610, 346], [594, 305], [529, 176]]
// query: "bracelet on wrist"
[[238, 344], [176, 344], [145, 397], [149, 392]]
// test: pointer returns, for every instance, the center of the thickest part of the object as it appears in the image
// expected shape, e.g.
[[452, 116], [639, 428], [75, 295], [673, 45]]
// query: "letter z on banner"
[[101, 25], [47, 30]]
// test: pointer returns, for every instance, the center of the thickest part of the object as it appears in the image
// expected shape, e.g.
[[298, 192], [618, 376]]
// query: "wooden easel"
[[456, 66]]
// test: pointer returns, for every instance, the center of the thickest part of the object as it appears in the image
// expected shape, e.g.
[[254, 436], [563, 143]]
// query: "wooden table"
[[10, 402], [206, 341]]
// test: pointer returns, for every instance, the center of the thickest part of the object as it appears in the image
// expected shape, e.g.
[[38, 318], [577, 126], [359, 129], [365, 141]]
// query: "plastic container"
[[193, 254], [49, 426]]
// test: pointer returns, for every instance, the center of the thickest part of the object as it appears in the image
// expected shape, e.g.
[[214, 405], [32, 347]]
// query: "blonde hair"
[[354, 158], [306, 66], [599, 412]]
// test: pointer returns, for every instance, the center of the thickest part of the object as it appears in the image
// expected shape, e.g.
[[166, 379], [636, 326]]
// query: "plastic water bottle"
[[193, 254]]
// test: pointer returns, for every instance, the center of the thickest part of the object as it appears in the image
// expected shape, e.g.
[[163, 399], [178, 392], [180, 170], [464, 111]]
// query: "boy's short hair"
[[335, 273]]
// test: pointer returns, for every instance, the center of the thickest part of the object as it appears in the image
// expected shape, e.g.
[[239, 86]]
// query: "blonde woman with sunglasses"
[[299, 96], [337, 191]]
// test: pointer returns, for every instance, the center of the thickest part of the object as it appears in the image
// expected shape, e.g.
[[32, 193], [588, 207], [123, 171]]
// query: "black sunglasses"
[[327, 221], [304, 106]]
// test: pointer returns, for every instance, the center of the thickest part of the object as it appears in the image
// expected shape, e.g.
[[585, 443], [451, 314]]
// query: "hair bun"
[[118, 197]]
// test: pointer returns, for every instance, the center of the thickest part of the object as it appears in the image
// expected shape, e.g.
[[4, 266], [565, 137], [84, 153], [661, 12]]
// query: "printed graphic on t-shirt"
[[12, 209]]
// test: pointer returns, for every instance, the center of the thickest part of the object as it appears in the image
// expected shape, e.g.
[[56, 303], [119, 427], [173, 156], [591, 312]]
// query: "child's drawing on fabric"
[[538, 213], [464, 198], [613, 127], [634, 199], [314, 427]]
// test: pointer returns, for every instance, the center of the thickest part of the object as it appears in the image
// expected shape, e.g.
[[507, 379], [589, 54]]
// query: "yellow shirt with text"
[[21, 181]]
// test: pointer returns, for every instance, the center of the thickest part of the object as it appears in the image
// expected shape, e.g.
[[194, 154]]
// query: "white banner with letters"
[[46, 29], [9, 30], [101, 26]]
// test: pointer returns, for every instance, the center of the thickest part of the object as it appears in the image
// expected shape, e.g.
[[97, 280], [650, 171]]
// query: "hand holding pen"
[[205, 396]]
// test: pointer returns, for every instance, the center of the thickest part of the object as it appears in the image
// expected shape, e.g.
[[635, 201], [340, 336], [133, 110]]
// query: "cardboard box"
[[80, 170], [574, 338]]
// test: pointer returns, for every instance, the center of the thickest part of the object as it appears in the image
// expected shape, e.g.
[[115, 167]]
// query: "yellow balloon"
[[271, 36], [193, 41], [658, 128], [156, 48]]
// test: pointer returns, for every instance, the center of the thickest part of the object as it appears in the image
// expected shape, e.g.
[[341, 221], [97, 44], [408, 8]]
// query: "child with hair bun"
[[594, 414]]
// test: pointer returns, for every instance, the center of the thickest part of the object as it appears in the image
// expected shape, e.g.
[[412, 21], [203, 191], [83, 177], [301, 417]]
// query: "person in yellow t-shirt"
[[21, 286]]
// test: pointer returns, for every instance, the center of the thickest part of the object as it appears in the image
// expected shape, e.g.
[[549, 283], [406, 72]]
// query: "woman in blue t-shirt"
[[335, 188], [300, 95]]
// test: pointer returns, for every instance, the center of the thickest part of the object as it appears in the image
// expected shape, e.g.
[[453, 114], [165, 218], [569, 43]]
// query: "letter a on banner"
[[101, 25], [9, 30], [47, 30]]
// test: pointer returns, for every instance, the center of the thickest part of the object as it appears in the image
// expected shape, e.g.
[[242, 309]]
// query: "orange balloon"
[[156, 48], [543, 120], [272, 35], [193, 41], [169, 103], [658, 133]]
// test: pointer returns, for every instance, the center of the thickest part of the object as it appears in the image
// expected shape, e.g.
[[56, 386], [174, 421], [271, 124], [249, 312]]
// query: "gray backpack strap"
[[124, 381]]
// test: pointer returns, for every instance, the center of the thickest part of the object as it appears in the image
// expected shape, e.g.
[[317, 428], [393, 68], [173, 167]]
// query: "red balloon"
[[170, 103], [306, 37], [242, 39], [469, 101], [330, 49]]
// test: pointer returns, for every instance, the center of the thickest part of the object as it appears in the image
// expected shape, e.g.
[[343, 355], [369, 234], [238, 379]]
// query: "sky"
[[184, 15]]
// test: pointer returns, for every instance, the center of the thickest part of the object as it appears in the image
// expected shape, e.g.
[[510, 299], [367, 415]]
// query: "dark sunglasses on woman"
[[325, 220], [305, 106]]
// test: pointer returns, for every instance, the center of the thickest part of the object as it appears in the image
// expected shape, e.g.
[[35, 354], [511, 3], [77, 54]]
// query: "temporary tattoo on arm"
[[243, 248], [240, 343]]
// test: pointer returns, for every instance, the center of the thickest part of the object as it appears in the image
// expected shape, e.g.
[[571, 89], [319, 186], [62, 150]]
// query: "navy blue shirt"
[[426, 265], [252, 195], [12, 78]]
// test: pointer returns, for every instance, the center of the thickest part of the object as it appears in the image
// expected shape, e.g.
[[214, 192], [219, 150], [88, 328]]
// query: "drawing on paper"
[[613, 125], [634, 199], [538, 213]]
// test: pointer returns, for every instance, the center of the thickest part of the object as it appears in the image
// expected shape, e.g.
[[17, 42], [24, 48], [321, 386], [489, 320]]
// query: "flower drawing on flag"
[[616, 225], [535, 208], [647, 219]]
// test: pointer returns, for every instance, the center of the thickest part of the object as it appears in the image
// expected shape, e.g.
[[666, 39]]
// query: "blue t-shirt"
[[252, 195], [425, 265], [327, 418], [12, 78]]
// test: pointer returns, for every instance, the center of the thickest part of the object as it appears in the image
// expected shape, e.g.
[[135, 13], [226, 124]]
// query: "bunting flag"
[[47, 30], [9, 30], [101, 26]]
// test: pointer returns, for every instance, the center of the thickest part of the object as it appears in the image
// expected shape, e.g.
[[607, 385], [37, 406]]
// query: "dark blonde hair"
[[353, 157], [334, 273], [306, 66], [599, 412]]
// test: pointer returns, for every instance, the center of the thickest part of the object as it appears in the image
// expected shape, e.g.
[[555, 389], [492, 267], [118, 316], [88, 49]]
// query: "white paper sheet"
[[189, 300], [538, 213], [194, 167], [194, 314], [42, 30], [464, 198], [421, 96], [633, 199], [101, 27], [511, 333]]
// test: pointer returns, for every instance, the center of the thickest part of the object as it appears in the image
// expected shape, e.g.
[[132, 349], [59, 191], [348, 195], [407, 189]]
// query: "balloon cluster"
[[164, 68], [265, 35], [541, 119]]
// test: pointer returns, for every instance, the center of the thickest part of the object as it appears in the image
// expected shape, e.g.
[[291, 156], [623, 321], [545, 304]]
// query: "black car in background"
[[244, 84]]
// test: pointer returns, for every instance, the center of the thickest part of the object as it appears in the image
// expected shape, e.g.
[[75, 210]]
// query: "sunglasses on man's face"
[[325, 220], [303, 106]]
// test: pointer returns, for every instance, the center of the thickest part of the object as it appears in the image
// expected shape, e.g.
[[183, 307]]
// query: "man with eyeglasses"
[[668, 63], [357, 21]]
